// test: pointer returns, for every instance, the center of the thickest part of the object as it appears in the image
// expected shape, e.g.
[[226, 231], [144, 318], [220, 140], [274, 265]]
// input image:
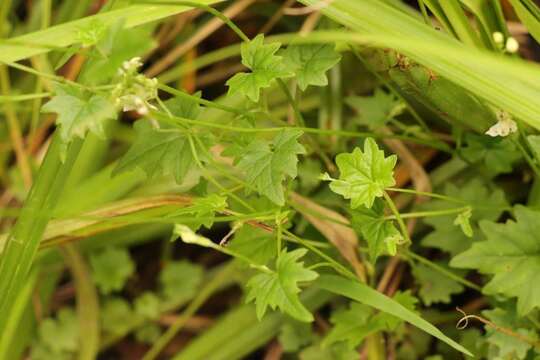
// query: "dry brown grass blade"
[[205, 31], [340, 235]]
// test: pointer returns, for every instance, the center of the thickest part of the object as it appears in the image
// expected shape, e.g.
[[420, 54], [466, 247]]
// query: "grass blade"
[[87, 304], [368, 296], [63, 35]]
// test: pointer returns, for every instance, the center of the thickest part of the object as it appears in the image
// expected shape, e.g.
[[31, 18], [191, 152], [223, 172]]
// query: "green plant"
[[292, 176]]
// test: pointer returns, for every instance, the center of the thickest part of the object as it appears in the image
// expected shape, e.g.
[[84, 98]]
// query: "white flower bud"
[[132, 64], [498, 37], [512, 46]]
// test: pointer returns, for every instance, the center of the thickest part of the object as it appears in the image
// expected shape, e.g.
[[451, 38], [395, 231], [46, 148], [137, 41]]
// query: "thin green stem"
[[398, 217], [320, 132], [210, 104], [423, 193], [337, 266], [25, 97], [442, 270], [211, 178], [422, 214]]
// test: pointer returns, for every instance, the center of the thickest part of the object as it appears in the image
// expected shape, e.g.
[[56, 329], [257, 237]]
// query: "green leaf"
[[496, 154], [158, 152], [60, 335], [434, 286], [368, 296], [462, 220], [79, 113], [351, 325], [338, 351], [117, 316], [512, 254], [294, 335], [375, 111], [266, 165], [381, 235], [359, 321], [508, 347], [265, 67], [147, 305], [148, 333], [279, 288], [310, 63], [487, 202], [364, 175], [111, 268], [204, 209], [255, 244], [180, 279]]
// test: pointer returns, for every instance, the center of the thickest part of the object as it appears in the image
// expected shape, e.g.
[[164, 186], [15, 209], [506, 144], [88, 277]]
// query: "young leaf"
[[374, 111], [117, 316], [255, 244], [204, 209], [79, 113], [434, 286], [512, 254], [158, 153], [279, 288], [163, 152], [180, 279], [487, 202], [266, 165], [381, 235], [265, 66], [60, 335], [363, 175], [463, 221], [147, 305], [310, 63], [111, 268]]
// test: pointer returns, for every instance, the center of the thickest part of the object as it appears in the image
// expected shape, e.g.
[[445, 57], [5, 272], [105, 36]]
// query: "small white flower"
[[512, 46], [132, 64], [498, 37], [504, 126]]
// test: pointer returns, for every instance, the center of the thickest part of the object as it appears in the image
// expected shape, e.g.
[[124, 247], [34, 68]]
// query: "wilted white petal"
[[503, 127]]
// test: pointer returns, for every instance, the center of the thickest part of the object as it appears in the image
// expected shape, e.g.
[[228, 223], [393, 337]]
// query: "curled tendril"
[[464, 322]]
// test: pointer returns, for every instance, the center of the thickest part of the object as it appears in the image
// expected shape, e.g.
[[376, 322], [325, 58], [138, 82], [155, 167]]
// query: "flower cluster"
[[135, 90], [504, 126], [511, 45]]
